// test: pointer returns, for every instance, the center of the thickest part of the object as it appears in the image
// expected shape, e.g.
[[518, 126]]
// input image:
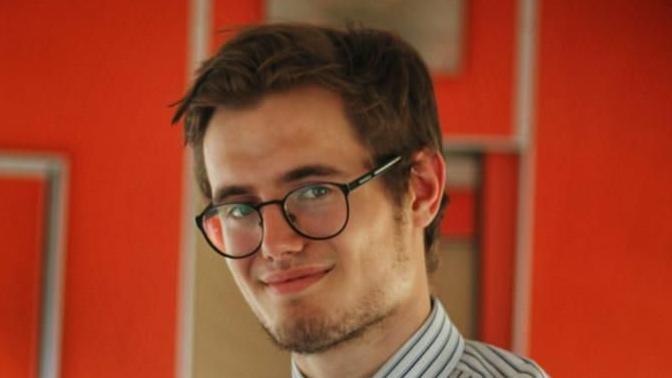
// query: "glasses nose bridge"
[[279, 235], [279, 202], [281, 205]]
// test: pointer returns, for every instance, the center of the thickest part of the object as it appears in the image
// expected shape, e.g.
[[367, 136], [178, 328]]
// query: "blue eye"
[[314, 192], [239, 211]]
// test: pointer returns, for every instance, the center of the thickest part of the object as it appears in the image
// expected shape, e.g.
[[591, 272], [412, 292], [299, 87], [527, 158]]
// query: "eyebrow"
[[294, 175], [301, 173]]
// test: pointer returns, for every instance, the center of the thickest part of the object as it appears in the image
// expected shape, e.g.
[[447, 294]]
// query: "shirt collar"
[[435, 349]]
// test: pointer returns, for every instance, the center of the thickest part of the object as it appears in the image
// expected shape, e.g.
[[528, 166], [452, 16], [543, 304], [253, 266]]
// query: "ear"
[[427, 184]]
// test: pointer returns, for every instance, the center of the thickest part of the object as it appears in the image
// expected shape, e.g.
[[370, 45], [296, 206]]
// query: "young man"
[[320, 152]]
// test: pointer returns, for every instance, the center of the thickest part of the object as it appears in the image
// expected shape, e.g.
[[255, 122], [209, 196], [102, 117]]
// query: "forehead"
[[303, 126]]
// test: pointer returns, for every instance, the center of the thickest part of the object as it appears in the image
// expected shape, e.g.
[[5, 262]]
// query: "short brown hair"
[[384, 84]]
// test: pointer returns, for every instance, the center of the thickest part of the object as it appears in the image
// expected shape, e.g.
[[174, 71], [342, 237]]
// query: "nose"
[[279, 240]]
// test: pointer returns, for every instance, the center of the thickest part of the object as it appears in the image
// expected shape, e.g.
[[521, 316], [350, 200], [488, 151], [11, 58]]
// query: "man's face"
[[311, 295]]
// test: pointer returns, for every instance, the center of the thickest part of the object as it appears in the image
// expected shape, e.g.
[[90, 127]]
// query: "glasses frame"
[[345, 188]]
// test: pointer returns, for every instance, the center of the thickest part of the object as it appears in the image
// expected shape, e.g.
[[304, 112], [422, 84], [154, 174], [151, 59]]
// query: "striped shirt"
[[438, 350]]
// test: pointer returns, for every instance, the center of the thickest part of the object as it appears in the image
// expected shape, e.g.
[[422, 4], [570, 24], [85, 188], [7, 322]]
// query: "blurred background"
[[557, 244]]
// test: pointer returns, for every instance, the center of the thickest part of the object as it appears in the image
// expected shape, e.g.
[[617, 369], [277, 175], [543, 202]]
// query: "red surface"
[[500, 198], [21, 236], [230, 15], [460, 217], [92, 81], [478, 99], [603, 209]]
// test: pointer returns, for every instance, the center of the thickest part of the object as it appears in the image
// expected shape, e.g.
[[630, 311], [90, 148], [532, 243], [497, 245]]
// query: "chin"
[[310, 330], [311, 335]]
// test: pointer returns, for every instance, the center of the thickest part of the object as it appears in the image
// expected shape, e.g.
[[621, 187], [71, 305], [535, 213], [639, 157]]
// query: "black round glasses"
[[316, 211]]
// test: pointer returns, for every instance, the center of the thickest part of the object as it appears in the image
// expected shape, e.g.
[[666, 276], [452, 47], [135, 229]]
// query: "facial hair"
[[313, 331], [315, 334]]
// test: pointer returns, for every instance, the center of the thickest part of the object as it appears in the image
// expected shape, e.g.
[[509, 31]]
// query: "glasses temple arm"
[[363, 179]]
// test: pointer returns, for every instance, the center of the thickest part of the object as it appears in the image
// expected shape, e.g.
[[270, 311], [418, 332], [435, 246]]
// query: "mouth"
[[294, 281]]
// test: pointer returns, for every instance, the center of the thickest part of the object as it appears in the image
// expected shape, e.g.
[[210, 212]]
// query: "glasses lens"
[[317, 211], [234, 229]]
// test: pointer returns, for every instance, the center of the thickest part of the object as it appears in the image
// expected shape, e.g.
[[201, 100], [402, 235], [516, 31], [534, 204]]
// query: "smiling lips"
[[294, 280]]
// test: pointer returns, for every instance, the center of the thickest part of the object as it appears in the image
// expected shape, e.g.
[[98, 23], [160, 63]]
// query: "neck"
[[378, 343]]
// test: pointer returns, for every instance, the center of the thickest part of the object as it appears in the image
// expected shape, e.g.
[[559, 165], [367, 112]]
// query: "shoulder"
[[484, 360]]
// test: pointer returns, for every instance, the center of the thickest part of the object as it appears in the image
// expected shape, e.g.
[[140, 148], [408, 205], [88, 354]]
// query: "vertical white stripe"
[[524, 126], [54, 271], [200, 13], [54, 171]]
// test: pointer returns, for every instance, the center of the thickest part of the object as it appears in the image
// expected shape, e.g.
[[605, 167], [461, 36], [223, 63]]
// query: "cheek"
[[240, 270], [368, 242]]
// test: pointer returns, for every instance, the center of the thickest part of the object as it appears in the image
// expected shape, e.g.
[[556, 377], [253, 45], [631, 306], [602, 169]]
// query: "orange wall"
[[498, 244], [21, 219], [91, 81], [477, 100], [603, 242]]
